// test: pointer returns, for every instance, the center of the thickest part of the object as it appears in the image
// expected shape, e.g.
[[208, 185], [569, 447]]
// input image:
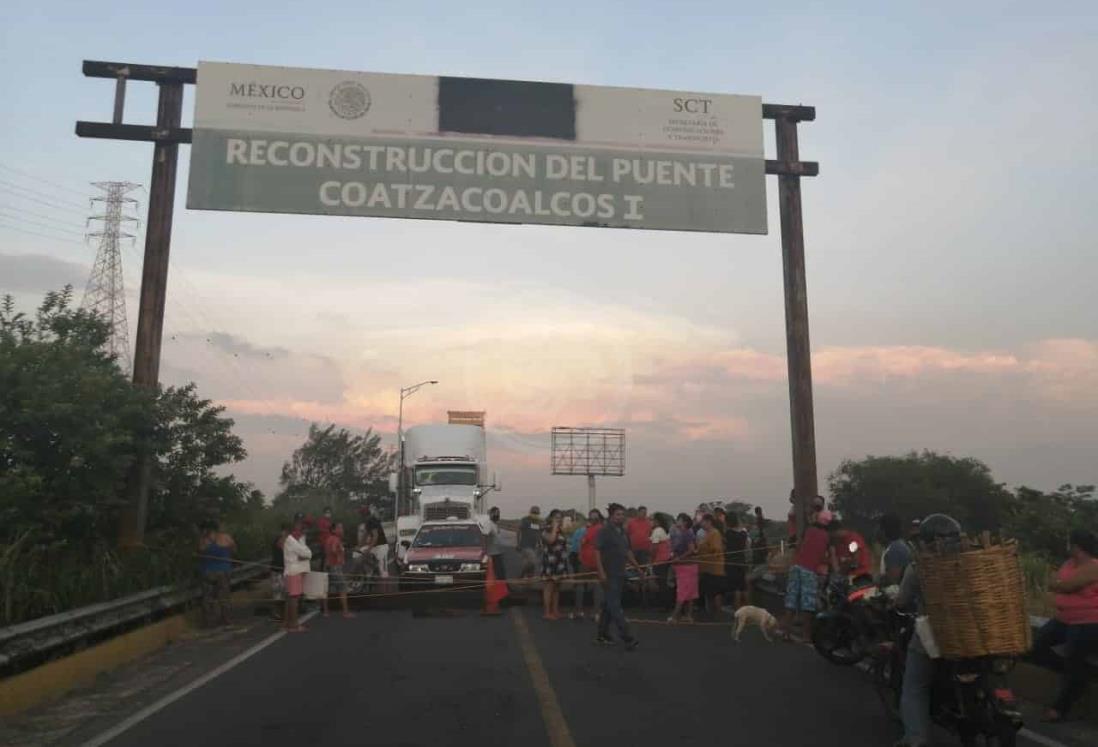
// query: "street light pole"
[[405, 392]]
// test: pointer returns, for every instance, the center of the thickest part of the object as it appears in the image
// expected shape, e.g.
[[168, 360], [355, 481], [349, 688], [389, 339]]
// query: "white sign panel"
[[274, 139]]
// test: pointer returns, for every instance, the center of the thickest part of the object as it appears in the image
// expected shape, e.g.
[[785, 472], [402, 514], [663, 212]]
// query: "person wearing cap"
[[802, 584], [529, 542]]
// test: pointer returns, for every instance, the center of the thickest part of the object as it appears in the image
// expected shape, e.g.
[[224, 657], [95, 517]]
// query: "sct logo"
[[693, 106], [349, 100], [267, 91]]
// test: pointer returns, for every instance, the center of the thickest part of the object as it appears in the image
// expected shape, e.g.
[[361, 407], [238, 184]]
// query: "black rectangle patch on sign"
[[507, 107]]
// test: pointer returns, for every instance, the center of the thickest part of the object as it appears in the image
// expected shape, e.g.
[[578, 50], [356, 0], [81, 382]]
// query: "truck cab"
[[445, 473]]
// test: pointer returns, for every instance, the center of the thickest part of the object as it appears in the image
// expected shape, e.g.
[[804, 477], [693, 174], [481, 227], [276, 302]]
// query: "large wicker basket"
[[975, 599]]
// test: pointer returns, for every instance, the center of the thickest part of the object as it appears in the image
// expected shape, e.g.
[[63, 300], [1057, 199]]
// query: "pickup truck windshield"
[[448, 475], [459, 536]]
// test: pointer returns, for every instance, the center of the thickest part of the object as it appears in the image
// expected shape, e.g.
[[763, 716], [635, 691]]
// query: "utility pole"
[[798, 350], [105, 293]]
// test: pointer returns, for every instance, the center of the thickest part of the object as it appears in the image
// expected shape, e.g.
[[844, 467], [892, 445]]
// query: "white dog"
[[756, 615]]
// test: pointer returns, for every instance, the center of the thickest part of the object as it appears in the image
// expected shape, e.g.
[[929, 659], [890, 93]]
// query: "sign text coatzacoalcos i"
[[343, 143]]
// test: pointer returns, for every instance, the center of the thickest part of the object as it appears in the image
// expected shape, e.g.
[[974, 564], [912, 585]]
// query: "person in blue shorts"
[[802, 585]]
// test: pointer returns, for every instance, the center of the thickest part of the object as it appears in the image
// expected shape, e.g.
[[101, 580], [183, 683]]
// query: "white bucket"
[[316, 585]]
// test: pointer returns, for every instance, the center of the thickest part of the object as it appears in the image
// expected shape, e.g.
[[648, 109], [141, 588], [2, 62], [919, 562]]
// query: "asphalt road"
[[389, 678], [453, 677]]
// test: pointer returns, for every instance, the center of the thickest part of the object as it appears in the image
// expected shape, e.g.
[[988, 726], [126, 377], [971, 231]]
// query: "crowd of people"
[[697, 566], [294, 553]]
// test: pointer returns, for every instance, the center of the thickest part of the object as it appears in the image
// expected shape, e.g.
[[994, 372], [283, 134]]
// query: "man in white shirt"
[[295, 556]]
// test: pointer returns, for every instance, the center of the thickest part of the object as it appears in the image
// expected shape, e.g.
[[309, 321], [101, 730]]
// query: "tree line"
[[918, 484], [71, 424]]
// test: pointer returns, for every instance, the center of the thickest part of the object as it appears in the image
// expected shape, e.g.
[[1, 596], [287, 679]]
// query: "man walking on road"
[[529, 542], [611, 559]]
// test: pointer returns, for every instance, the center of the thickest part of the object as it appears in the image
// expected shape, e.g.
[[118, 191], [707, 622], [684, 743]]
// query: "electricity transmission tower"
[[105, 294]]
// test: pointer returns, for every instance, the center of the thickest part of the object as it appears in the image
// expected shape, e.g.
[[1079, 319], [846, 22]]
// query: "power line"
[[28, 175], [43, 224], [43, 235], [20, 210], [47, 203], [40, 193]]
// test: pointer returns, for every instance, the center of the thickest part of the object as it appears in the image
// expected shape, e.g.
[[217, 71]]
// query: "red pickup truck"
[[445, 553]]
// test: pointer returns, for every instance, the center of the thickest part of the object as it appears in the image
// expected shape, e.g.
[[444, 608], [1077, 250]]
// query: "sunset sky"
[[949, 239]]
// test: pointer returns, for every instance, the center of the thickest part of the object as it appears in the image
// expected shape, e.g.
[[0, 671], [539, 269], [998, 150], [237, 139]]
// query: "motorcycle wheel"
[[834, 639], [888, 690], [1006, 735]]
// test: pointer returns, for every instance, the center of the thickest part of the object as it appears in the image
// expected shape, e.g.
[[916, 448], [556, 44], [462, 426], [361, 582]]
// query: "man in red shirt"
[[639, 530], [334, 558], [802, 585]]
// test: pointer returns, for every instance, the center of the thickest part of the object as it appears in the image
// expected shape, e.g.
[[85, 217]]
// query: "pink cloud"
[[846, 364], [720, 428], [320, 412], [1066, 370], [703, 395], [745, 363]]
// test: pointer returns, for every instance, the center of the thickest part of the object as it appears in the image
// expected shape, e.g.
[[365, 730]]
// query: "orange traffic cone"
[[494, 591]]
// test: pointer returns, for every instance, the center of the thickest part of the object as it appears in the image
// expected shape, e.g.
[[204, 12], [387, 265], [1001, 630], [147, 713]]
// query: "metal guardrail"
[[28, 644]]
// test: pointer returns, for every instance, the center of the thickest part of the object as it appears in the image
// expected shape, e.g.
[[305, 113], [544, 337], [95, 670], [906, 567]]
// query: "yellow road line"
[[551, 714]]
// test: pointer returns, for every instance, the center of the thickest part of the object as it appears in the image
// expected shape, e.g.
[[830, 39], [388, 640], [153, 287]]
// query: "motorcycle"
[[851, 623], [969, 697]]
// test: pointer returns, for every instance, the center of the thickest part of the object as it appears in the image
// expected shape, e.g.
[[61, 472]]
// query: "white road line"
[[149, 710], [1040, 738]]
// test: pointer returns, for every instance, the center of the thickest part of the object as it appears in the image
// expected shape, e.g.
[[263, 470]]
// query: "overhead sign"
[[289, 140]]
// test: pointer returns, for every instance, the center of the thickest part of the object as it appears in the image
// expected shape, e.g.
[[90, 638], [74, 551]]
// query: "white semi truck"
[[445, 473]]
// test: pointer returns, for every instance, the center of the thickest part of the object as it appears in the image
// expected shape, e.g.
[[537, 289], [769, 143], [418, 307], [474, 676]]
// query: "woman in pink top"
[[1075, 626]]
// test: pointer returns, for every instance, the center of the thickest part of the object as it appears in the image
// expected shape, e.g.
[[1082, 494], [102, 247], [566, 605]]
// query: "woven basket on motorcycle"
[[975, 599]]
